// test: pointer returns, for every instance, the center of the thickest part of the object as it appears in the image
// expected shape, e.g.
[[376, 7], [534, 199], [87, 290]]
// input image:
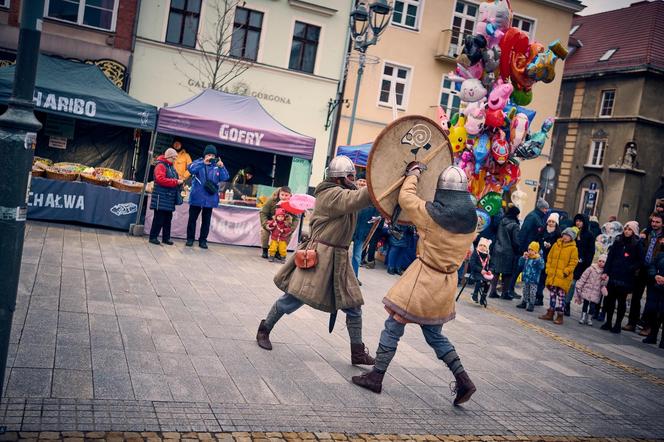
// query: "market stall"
[[87, 150], [244, 133], [358, 154]]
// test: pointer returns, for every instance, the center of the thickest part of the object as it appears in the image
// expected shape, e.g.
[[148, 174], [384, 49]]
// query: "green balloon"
[[491, 203], [522, 98]]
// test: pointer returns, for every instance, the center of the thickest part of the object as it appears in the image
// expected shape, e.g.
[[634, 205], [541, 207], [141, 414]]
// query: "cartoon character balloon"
[[481, 151], [518, 129], [494, 19], [475, 116], [542, 68], [500, 150], [491, 203], [458, 135], [532, 147]]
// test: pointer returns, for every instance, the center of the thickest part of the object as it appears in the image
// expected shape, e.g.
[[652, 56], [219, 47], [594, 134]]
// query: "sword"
[[333, 319], [465, 282], [367, 240]]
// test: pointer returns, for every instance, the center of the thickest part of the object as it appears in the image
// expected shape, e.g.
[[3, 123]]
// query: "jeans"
[[394, 330], [357, 256], [161, 222], [194, 211]]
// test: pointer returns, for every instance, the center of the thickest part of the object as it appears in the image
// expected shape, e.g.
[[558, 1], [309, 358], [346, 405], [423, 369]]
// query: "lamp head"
[[380, 16], [359, 20]]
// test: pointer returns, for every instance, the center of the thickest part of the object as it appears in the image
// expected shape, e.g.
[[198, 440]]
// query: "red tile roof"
[[636, 31]]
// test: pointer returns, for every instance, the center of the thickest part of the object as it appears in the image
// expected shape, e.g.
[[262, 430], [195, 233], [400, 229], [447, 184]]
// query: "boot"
[[464, 388], [372, 380], [589, 321], [616, 328], [483, 300], [522, 304], [629, 327], [645, 331], [494, 295], [567, 309], [263, 336], [530, 307], [202, 244], [189, 243], [548, 316], [474, 297], [650, 340], [559, 319], [359, 355], [263, 255], [584, 318], [606, 326]]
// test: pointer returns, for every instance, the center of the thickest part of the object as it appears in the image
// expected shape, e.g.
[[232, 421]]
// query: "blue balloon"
[[483, 219]]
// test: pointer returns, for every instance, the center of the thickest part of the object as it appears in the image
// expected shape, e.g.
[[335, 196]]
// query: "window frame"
[[452, 94], [81, 15], [606, 56], [464, 18], [198, 25], [523, 18], [407, 85], [418, 18], [601, 103], [600, 141], [260, 35], [293, 39], [2, 6]]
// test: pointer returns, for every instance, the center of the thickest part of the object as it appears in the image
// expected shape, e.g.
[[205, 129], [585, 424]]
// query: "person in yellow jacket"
[[560, 265], [182, 161]]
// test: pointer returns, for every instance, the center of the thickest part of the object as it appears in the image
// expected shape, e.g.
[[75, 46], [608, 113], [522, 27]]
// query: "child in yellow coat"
[[560, 265]]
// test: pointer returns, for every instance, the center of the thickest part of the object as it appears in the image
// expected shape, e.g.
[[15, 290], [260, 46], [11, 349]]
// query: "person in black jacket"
[[625, 258], [531, 230], [656, 296], [479, 270], [505, 252], [585, 244]]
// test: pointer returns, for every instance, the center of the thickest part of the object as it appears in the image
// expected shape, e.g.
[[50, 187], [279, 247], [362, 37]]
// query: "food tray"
[[38, 172], [96, 180], [110, 174], [61, 176], [127, 185]]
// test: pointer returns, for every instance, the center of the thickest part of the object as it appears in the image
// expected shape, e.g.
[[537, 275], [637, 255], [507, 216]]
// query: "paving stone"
[[29, 382], [72, 384]]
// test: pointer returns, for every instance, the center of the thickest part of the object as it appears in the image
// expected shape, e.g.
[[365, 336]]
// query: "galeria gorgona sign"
[[76, 106]]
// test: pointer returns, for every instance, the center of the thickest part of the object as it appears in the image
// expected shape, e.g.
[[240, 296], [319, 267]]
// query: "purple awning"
[[234, 120]]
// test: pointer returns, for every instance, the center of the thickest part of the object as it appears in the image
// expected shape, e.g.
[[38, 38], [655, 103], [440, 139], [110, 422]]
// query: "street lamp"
[[361, 23]]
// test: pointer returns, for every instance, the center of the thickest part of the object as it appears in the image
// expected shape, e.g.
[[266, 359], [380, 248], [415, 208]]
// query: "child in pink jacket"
[[589, 289]]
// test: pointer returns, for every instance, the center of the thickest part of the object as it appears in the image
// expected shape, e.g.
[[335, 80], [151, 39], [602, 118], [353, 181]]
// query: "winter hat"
[[534, 246], [593, 219], [210, 149], [170, 152], [603, 257], [279, 211], [555, 217], [512, 212], [633, 225], [484, 242], [571, 232], [542, 204]]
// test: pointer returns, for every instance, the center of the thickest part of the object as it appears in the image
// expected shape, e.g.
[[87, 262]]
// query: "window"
[[246, 33], [597, 151], [95, 13], [305, 45], [608, 54], [4, 3], [574, 29], [588, 201], [406, 13], [397, 76], [524, 24], [606, 106], [463, 24], [449, 100], [183, 19]]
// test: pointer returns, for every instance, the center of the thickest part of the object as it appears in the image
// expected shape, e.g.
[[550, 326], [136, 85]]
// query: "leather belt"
[[336, 246]]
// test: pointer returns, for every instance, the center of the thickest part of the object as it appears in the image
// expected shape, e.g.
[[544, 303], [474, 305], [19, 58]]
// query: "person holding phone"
[[207, 173]]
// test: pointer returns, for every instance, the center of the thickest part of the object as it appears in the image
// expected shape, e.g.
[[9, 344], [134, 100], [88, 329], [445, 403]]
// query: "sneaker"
[[154, 241], [189, 243], [582, 320], [589, 321]]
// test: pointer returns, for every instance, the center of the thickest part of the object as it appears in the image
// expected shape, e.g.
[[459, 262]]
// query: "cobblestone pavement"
[[114, 334]]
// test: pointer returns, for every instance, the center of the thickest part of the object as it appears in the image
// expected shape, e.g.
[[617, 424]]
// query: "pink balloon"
[[302, 201]]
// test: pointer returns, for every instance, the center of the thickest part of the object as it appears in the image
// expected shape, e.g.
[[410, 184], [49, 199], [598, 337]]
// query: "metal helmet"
[[453, 178], [340, 167]]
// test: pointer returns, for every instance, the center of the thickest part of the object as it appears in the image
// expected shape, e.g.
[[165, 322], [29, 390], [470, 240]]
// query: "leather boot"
[[559, 319], [264, 254], [372, 380], [464, 388], [263, 336], [359, 355], [548, 316]]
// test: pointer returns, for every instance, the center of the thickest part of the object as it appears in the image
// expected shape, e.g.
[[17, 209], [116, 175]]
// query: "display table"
[[230, 224], [54, 200]]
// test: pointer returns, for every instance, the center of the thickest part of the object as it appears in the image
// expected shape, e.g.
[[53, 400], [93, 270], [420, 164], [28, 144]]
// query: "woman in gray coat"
[[505, 252]]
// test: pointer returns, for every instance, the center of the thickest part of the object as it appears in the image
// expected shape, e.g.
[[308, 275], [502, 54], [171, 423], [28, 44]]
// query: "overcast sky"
[[595, 6]]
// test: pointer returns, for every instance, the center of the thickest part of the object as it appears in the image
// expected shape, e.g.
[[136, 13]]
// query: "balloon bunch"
[[494, 77]]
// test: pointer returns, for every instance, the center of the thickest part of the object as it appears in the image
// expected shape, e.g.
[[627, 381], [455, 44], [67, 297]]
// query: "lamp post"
[[365, 27]]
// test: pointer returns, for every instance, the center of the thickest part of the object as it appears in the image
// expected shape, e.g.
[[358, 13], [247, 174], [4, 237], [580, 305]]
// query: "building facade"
[[292, 50], [88, 31], [607, 142], [419, 49]]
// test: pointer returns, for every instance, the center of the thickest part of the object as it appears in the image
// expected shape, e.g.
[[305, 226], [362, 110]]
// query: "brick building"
[[607, 142], [93, 32]]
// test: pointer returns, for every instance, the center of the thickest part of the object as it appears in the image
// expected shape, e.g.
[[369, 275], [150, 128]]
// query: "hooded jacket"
[[589, 286], [164, 195], [585, 244], [532, 229], [560, 265], [625, 258], [201, 173], [507, 243]]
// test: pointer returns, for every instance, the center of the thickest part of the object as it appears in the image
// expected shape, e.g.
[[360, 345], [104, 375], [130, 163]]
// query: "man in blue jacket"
[[207, 173]]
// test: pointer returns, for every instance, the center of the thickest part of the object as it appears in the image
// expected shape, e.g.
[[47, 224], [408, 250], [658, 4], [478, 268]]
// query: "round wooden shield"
[[410, 138]]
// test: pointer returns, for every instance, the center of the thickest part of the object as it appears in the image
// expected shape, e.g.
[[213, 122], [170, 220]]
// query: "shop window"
[[183, 20], [4, 3], [99, 14], [463, 23], [449, 100], [524, 24], [597, 152], [246, 33], [606, 106], [397, 77], [304, 48], [407, 13]]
